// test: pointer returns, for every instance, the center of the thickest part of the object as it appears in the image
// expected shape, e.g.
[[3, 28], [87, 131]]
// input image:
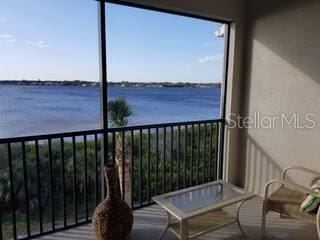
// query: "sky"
[[58, 40]]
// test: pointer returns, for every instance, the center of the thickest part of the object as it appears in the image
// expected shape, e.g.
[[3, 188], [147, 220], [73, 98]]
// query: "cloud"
[[6, 36], [185, 64], [210, 58], [39, 44], [43, 46], [207, 44]]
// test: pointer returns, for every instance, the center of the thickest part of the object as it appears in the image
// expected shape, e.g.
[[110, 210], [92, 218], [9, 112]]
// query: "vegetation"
[[119, 112]]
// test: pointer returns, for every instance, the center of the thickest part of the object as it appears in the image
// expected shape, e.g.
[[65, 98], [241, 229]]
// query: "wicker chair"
[[287, 198]]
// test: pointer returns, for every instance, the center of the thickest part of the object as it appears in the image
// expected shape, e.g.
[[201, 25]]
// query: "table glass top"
[[203, 197]]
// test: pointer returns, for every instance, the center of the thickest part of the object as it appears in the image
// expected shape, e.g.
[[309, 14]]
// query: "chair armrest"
[[291, 185], [298, 168]]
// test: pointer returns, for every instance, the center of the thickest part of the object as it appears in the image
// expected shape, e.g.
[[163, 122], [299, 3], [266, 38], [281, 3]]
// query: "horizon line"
[[87, 81]]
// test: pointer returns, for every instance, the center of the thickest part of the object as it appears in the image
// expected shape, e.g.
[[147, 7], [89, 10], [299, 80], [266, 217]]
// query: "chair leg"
[[238, 219], [263, 222]]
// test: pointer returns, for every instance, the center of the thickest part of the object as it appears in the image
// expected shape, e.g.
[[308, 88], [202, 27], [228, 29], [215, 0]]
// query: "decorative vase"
[[112, 218]]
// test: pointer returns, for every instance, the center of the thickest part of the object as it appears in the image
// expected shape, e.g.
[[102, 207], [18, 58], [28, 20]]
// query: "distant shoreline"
[[111, 84]]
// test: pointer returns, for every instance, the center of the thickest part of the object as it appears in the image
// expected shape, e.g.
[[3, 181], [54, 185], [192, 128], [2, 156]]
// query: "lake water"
[[32, 110]]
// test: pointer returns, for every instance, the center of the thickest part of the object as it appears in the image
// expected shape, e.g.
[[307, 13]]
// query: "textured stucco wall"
[[282, 75]]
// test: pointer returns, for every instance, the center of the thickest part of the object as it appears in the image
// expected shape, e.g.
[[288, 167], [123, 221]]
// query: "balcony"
[[55, 180], [51, 183]]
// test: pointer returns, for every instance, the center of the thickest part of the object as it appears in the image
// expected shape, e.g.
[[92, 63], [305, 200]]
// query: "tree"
[[119, 111]]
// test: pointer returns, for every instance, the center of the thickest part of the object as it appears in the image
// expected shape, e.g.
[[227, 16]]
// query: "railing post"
[[103, 89]]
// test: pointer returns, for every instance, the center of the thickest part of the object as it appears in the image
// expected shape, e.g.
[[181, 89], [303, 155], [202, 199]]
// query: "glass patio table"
[[198, 210]]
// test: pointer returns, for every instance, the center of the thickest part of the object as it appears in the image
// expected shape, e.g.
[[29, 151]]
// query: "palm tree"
[[119, 111]]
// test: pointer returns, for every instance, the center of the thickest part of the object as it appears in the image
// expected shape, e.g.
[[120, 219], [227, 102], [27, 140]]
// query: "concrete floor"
[[149, 223]]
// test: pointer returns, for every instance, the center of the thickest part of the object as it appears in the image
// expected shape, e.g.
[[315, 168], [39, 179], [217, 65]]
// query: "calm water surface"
[[32, 110]]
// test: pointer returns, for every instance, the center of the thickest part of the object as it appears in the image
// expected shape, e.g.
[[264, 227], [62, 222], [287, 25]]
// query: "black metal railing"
[[53, 182]]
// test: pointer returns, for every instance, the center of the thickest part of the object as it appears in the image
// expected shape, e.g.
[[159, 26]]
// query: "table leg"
[[238, 219], [184, 230], [166, 228]]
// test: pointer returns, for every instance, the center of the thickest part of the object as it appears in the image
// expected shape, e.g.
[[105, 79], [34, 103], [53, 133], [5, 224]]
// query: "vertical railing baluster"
[[105, 148], [164, 159], [1, 237], [63, 175], [140, 167], [96, 169], [217, 162], [12, 194], [157, 160], [132, 168], [210, 154], [113, 147], [26, 191], [86, 177], [149, 157], [39, 186], [75, 195], [51, 183], [171, 159], [123, 165], [191, 173], [185, 155], [178, 152], [205, 154], [198, 153]]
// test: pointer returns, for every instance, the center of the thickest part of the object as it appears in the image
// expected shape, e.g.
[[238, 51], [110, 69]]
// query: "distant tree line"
[[111, 84]]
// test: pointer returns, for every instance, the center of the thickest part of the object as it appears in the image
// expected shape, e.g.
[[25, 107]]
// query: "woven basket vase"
[[112, 219]]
